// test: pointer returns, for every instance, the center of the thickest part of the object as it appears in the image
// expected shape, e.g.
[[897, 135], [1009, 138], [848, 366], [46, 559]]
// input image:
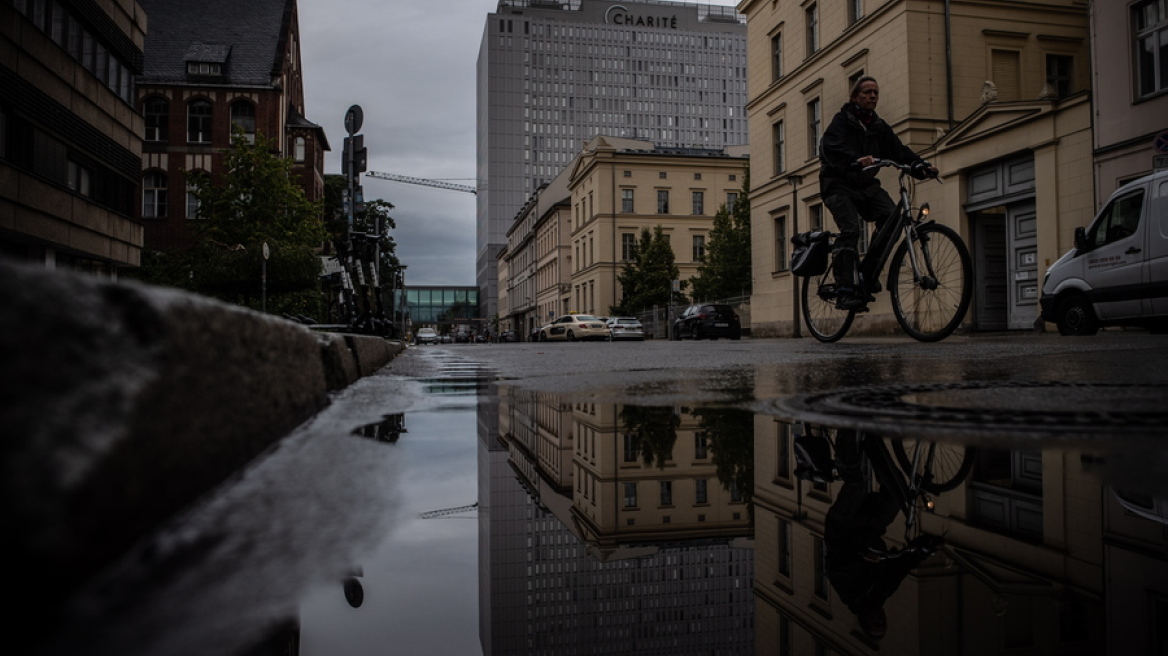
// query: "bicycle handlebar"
[[903, 168]]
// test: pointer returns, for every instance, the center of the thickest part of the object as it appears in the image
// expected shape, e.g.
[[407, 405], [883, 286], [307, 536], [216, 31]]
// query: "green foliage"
[[730, 432], [725, 270], [655, 430], [254, 201], [647, 280]]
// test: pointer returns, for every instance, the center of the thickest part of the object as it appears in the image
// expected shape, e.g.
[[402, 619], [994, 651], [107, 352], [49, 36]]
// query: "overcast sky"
[[410, 65]]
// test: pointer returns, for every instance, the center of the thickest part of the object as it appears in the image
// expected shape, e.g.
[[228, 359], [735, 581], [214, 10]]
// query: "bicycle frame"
[[875, 260], [884, 468]]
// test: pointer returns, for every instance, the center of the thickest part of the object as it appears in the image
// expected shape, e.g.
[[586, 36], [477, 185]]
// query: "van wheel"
[[1075, 317]]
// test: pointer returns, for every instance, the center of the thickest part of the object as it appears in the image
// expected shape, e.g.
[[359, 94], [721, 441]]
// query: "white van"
[[1117, 273]]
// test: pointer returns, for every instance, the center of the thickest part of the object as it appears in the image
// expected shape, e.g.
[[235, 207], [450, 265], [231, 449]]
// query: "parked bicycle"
[[911, 472], [930, 281]]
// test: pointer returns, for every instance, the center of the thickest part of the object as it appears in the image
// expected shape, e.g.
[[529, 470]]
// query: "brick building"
[[210, 67]]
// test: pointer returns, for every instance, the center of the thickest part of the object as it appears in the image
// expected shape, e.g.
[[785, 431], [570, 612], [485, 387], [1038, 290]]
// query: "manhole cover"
[[997, 409]]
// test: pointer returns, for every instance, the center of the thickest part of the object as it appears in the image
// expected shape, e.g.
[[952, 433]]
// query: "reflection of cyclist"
[[856, 138], [863, 572]]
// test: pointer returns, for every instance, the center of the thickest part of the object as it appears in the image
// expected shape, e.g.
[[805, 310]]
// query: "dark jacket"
[[847, 139]]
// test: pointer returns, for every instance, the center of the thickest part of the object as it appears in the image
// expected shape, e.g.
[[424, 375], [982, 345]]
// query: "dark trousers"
[[850, 207]]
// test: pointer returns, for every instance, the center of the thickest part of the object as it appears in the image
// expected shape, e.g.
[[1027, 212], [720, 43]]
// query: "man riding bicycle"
[[855, 139]]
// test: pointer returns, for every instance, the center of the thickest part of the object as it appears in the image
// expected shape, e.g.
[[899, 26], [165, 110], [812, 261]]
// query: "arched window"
[[154, 195], [243, 116], [298, 149], [199, 122], [156, 111]]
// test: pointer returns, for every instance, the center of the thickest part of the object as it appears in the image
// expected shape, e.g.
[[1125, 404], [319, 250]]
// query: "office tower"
[[552, 74]]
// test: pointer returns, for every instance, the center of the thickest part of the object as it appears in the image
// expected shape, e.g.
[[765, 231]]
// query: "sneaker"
[[846, 299]]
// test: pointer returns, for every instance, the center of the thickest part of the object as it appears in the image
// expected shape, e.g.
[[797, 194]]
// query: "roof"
[[247, 37]]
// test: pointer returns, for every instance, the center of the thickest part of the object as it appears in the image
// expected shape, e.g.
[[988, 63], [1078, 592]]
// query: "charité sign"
[[620, 15]]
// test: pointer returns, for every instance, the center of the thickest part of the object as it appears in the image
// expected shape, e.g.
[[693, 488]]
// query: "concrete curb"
[[123, 403]]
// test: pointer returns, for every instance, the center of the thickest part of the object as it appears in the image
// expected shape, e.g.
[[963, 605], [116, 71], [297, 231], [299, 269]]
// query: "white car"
[[426, 336], [573, 327], [625, 328]]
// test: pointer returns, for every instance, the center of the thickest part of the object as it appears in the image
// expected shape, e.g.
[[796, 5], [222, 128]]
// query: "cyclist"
[[856, 138]]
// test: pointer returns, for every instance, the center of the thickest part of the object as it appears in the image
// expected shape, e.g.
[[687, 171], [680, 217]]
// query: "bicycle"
[[911, 473], [930, 281]]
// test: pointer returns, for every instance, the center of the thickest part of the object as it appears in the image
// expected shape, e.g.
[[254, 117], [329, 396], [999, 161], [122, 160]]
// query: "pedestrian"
[[855, 139]]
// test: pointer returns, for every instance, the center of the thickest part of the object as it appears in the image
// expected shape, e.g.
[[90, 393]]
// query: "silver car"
[[625, 328]]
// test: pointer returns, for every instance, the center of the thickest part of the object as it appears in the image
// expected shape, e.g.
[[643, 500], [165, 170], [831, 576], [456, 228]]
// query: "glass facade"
[[431, 305]]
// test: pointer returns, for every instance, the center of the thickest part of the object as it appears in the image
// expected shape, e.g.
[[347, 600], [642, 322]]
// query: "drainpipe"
[[797, 323], [949, 61], [612, 214]]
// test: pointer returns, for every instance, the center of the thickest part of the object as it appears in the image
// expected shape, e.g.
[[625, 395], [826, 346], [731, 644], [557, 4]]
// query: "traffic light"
[[355, 156]]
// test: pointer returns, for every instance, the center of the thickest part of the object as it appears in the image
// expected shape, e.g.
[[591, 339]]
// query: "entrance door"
[[1022, 247], [991, 298]]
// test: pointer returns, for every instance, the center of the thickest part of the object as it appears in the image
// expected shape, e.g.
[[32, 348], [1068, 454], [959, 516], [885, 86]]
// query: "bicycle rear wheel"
[[930, 308], [824, 320], [951, 463]]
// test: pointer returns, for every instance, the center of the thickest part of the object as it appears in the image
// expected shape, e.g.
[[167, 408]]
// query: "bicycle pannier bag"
[[810, 255]]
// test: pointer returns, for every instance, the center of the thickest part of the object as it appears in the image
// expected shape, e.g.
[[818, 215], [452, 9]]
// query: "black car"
[[707, 321]]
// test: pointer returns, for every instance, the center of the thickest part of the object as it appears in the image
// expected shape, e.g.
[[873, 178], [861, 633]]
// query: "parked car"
[[426, 336], [508, 336], [1118, 269], [573, 327], [707, 321], [625, 328]]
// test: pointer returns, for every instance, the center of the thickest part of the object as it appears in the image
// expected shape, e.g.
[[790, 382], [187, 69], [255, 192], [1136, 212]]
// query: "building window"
[[632, 444], [298, 149], [663, 201], [700, 495], [1151, 47], [628, 246], [154, 195], [779, 136], [785, 548], [1006, 74], [699, 203], [781, 243], [192, 202], [630, 495], [627, 201], [855, 10], [783, 446], [811, 16], [701, 445], [628, 174], [666, 493], [80, 179], [777, 56], [156, 111], [816, 219], [661, 175], [1058, 74], [699, 248], [814, 126], [204, 68], [243, 118], [199, 122], [731, 199], [820, 560], [697, 176]]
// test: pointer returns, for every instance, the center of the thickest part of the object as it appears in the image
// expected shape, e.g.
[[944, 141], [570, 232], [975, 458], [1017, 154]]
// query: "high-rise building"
[[552, 74]]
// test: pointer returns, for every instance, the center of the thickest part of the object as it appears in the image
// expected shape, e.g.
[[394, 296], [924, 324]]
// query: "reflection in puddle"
[[612, 528], [390, 429]]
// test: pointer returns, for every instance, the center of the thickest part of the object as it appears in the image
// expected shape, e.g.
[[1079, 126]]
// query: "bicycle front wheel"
[[824, 320], [930, 300], [941, 466]]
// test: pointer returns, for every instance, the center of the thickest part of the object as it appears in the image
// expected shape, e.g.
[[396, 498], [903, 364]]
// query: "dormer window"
[[204, 68]]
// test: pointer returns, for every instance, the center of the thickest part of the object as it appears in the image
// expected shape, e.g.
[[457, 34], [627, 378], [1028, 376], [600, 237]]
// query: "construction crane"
[[448, 511], [441, 184]]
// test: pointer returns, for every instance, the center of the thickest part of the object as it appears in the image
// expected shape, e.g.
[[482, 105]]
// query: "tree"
[[647, 280], [654, 429], [725, 270], [252, 202]]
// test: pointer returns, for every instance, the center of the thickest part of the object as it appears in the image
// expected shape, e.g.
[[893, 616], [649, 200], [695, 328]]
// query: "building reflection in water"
[[616, 529], [631, 529], [1039, 555]]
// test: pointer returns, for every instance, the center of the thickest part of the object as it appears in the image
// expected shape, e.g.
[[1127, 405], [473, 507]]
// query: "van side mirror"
[[1080, 239]]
